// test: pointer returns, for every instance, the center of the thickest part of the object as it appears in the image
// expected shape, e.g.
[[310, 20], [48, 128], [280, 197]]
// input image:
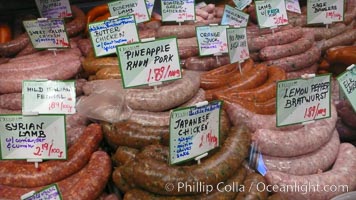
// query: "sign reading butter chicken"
[[108, 34]]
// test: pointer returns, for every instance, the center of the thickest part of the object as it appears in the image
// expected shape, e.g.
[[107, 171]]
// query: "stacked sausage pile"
[[289, 49], [82, 176]]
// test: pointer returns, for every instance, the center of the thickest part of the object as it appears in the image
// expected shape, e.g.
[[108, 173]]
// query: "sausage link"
[[119, 181], [92, 65], [123, 155], [25, 175], [346, 38], [265, 108], [131, 134], [253, 181], [285, 143], [347, 113], [311, 163], [108, 73], [187, 52], [12, 101], [78, 24], [282, 37], [308, 70], [222, 75], [165, 97], [180, 31], [346, 133], [152, 175], [250, 79], [86, 184], [148, 118], [264, 92], [297, 47], [206, 63], [342, 174], [14, 46], [221, 194], [297, 62], [326, 33]]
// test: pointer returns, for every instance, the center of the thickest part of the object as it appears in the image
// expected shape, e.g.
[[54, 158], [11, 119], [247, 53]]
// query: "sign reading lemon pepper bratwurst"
[[301, 100], [149, 62]]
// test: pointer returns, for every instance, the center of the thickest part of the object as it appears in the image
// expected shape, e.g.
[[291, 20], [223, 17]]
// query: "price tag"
[[293, 6], [271, 13], [149, 62], [54, 8], [325, 11], [33, 137], [50, 192], [200, 5], [106, 35], [237, 43], [234, 17], [301, 100], [211, 40], [47, 33], [183, 10], [149, 5], [347, 81], [194, 131], [130, 7], [48, 97], [241, 4]]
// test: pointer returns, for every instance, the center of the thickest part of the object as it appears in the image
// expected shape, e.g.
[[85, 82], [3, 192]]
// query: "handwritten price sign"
[[234, 17], [237, 44], [194, 131], [54, 8], [130, 7], [324, 11], [108, 34], [30, 137], [241, 4], [293, 6], [50, 192], [211, 40], [149, 62], [302, 100], [183, 10], [48, 33], [49, 97], [271, 13]]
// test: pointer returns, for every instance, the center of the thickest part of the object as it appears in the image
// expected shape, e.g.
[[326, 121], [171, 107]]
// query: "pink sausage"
[[311, 163], [297, 142], [319, 186]]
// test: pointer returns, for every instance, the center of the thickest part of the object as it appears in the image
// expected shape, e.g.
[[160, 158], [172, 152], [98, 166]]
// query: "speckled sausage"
[[131, 134], [282, 37], [123, 154], [36, 67], [183, 31], [297, 62], [252, 182], [148, 118], [311, 163], [25, 175], [346, 113], [12, 101], [206, 63], [308, 70], [287, 143], [345, 38], [153, 175], [14, 46], [240, 115], [265, 108], [343, 173], [326, 33], [87, 184], [221, 194], [280, 51], [165, 97], [78, 24]]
